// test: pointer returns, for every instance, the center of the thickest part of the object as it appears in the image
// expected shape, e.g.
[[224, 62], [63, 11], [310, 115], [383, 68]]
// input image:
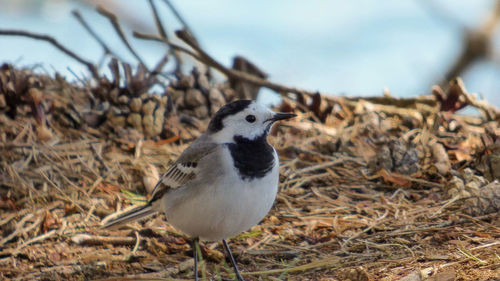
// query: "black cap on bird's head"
[[231, 108], [244, 118]]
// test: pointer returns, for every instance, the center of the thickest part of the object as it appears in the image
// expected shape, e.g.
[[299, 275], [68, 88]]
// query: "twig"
[[19, 229], [99, 157], [158, 23], [477, 44], [187, 28], [159, 66], [86, 239], [203, 57], [11, 216], [199, 54], [94, 35], [327, 262], [137, 242], [169, 271], [181, 20], [56, 44], [377, 221], [469, 255], [63, 195], [163, 34], [33, 240], [171, 44], [114, 22], [320, 166], [490, 111]]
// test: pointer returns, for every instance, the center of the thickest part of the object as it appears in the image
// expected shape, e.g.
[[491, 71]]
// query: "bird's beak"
[[282, 116]]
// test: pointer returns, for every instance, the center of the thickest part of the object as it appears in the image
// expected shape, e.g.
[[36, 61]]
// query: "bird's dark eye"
[[250, 118]]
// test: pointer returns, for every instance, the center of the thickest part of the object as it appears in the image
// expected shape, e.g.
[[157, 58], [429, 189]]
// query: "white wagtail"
[[224, 183]]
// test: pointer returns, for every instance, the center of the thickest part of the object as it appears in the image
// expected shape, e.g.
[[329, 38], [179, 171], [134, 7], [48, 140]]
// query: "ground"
[[370, 189]]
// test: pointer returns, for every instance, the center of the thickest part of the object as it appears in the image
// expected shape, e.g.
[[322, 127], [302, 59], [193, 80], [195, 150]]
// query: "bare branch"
[[172, 45], [92, 68], [477, 45], [180, 19], [114, 21], [285, 91], [232, 73], [200, 55], [186, 28], [94, 34], [163, 34], [158, 23], [203, 57]]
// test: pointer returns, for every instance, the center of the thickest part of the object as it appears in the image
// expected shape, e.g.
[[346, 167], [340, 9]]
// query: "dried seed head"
[[159, 119], [203, 83], [113, 95], [35, 95], [216, 99], [201, 111], [186, 82], [148, 125], [194, 98], [135, 120], [136, 104], [118, 121], [3, 103], [149, 107], [123, 99]]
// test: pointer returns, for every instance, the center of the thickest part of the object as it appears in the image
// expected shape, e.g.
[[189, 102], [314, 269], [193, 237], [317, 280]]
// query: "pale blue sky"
[[337, 47]]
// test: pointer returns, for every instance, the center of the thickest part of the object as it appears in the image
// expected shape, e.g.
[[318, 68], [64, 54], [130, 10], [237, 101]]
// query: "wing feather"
[[185, 169]]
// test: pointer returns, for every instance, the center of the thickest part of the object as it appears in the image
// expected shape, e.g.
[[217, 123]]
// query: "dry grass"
[[343, 213]]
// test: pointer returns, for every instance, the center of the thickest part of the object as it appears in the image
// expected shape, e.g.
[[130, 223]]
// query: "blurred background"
[[352, 48]]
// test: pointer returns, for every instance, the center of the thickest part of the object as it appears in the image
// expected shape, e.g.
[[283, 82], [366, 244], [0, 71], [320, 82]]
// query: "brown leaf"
[[69, 209], [108, 188], [55, 257], [8, 204], [49, 222], [394, 178], [169, 140], [451, 100]]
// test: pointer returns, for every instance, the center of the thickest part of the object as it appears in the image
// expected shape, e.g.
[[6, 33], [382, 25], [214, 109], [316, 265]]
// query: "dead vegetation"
[[371, 188]]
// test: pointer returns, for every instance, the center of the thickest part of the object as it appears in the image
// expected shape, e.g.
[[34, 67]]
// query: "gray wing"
[[185, 169]]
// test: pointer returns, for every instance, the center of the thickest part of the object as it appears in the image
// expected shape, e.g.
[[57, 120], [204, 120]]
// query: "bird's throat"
[[254, 158]]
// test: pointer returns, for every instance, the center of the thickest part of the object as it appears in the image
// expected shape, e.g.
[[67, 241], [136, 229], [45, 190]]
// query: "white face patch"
[[241, 124]]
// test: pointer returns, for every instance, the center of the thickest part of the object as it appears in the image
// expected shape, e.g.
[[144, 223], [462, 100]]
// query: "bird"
[[222, 184]]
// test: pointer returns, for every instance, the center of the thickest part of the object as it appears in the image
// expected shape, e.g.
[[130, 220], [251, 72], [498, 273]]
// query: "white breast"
[[226, 206]]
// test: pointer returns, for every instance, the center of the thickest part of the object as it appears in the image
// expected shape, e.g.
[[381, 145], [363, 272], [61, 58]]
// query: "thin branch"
[[477, 44], [203, 57], [94, 35], [232, 73], [114, 21], [54, 43], [171, 44], [180, 19], [187, 28], [163, 34], [159, 66], [200, 55], [491, 112], [158, 23]]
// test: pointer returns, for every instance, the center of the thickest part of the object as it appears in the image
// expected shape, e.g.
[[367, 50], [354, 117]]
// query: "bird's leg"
[[233, 261], [195, 256]]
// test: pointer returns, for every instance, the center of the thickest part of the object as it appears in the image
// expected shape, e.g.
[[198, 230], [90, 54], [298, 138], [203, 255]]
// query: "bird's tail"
[[128, 216]]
